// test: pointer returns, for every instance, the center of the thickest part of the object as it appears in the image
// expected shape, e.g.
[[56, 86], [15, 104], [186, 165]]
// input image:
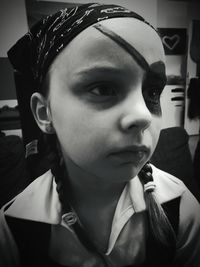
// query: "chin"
[[125, 173]]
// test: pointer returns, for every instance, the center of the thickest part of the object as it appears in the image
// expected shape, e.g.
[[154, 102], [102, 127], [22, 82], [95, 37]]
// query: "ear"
[[41, 113]]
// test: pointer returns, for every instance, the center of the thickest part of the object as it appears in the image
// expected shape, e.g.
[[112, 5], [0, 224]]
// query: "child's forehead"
[[139, 35], [91, 44]]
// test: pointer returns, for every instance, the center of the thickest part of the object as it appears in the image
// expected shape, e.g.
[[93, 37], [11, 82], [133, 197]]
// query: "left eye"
[[152, 95], [152, 99]]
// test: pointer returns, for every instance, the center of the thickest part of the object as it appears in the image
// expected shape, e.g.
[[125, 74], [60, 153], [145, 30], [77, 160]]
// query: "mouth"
[[131, 154]]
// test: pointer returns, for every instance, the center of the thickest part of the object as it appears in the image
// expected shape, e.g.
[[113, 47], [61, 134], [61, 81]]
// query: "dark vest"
[[32, 239]]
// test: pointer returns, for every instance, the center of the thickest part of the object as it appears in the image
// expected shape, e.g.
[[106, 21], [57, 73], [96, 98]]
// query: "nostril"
[[130, 123]]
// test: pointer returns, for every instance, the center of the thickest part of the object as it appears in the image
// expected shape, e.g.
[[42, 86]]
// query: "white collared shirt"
[[39, 202]]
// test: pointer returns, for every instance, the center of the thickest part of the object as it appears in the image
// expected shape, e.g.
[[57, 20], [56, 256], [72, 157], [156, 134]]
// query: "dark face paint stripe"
[[154, 78], [125, 45]]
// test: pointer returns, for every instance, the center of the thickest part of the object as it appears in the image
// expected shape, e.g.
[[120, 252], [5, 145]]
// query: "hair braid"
[[57, 166], [59, 172], [159, 224]]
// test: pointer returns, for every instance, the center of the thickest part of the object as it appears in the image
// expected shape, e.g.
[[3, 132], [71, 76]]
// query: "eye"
[[153, 85], [152, 99], [103, 90], [153, 95], [104, 94]]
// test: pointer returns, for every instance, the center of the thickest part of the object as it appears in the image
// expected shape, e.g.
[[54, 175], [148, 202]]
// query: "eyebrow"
[[124, 44], [99, 69]]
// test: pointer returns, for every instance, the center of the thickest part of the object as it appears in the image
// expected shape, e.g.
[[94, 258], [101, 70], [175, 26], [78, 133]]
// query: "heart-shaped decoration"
[[171, 41]]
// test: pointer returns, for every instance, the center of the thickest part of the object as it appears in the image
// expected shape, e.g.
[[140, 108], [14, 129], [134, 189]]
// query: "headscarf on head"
[[33, 54]]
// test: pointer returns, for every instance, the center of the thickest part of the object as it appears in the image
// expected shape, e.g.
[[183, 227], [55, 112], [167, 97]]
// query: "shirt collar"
[[40, 202]]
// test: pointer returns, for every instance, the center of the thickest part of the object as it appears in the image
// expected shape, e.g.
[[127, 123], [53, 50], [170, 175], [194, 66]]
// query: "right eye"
[[103, 92], [103, 89]]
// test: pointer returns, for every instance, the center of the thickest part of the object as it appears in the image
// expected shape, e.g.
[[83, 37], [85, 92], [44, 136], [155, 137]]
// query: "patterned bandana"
[[32, 54]]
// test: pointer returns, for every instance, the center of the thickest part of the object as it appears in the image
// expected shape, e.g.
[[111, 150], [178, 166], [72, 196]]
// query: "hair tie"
[[146, 175], [149, 187]]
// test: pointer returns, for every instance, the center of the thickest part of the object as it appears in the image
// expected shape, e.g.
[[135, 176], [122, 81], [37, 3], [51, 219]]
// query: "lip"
[[130, 154]]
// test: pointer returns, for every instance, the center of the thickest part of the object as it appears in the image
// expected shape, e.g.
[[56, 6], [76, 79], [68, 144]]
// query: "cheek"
[[155, 131], [78, 130], [70, 124]]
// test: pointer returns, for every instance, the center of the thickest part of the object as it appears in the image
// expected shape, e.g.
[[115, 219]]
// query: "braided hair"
[[159, 224]]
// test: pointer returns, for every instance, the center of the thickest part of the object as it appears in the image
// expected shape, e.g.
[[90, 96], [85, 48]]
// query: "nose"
[[135, 115]]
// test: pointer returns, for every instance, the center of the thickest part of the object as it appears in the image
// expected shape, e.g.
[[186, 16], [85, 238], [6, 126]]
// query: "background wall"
[[173, 15], [13, 23], [192, 126], [179, 14]]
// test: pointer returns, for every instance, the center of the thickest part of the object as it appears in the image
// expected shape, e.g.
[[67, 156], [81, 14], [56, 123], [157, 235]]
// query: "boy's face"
[[105, 108]]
